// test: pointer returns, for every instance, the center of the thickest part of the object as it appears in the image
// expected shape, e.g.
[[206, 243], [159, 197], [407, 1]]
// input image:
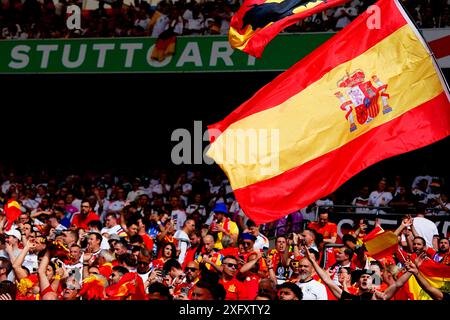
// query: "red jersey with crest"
[[234, 289]]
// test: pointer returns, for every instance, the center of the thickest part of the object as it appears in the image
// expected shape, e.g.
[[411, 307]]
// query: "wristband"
[[57, 277]]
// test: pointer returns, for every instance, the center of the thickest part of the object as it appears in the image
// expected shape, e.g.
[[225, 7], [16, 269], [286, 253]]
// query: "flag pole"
[[418, 32]]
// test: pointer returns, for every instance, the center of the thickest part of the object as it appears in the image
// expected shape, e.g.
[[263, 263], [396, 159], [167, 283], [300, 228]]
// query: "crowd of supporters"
[[182, 235], [37, 19]]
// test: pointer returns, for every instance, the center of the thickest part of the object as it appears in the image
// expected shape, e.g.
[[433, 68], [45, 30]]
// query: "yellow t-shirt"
[[234, 230]]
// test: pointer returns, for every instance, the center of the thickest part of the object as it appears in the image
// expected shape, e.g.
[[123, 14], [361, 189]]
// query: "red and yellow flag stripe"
[[316, 150], [253, 40], [437, 274]]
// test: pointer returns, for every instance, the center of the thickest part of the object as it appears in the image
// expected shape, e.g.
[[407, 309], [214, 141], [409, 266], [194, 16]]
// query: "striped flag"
[[12, 212], [437, 274], [365, 95], [380, 243], [257, 22]]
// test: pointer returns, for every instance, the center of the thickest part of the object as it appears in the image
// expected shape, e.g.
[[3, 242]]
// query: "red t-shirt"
[[81, 221], [250, 287], [158, 263], [234, 289], [148, 242], [328, 231]]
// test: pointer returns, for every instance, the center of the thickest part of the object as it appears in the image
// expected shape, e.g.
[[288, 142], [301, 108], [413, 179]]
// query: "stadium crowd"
[[37, 19], [182, 235]]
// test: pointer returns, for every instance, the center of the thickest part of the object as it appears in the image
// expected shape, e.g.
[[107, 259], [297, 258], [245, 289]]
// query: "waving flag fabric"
[[380, 243], [12, 212], [363, 96], [437, 274], [257, 22]]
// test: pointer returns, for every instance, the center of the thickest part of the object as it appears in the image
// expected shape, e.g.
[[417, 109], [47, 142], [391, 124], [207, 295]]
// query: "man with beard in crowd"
[[312, 289]]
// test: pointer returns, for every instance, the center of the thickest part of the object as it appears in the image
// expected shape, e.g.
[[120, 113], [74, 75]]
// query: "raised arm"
[[405, 223], [272, 274], [393, 288], [433, 292], [17, 264], [337, 292], [44, 283], [215, 266], [250, 264]]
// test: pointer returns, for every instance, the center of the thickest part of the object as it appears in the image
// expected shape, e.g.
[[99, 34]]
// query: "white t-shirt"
[[261, 242], [159, 190], [183, 244], [178, 217], [144, 276], [379, 199], [426, 229], [313, 290], [116, 205], [31, 262], [117, 229]]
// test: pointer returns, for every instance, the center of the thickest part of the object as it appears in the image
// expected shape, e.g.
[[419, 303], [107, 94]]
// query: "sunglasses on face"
[[190, 269], [231, 265], [143, 262]]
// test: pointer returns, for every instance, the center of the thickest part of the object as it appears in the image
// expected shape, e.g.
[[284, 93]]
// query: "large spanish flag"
[[363, 96], [257, 22], [437, 274]]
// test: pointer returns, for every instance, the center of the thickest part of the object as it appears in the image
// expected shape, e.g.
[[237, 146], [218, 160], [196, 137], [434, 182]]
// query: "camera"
[[58, 232]]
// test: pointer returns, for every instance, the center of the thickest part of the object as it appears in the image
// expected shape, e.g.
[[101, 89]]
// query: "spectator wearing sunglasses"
[[71, 290], [233, 287], [183, 291], [143, 264]]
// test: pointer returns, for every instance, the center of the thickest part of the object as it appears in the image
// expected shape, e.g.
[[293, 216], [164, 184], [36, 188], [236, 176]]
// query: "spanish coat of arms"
[[363, 97]]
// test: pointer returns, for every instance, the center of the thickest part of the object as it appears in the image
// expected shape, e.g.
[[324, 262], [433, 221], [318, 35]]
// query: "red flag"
[[130, 286], [380, 243], [372, 234], [437, 274], [12, 211], [257, 22]]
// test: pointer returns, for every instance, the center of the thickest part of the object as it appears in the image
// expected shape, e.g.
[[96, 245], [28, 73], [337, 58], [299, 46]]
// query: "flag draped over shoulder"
[[437, 274], [380, 243], [257, 22], [12, 212], [363, 96]]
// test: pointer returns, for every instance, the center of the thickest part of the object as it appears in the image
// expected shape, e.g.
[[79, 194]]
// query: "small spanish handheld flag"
[[257, 22], [12, 212], [369, 93], [380, 243]]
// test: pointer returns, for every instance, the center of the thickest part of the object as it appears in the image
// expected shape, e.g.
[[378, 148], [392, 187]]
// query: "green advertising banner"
[[118, 55]]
